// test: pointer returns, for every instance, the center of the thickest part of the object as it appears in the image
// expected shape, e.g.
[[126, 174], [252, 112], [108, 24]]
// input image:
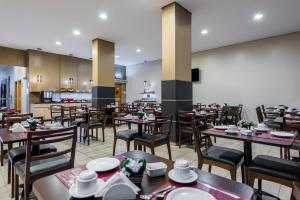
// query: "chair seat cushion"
[[43, 166], [58, 118], [128, 134], [223, 154], [19, 153], [147, 138], [276, 167], [78, 122]]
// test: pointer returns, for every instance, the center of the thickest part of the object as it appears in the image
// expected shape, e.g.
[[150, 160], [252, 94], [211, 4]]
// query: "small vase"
[[32, 128], [136, 179]]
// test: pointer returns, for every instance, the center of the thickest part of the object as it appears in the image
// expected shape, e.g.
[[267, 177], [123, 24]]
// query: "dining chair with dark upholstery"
[[60, 114], [96, 119], [127, 135], [223, 157], [36, 165], [159, 136], [274, 169], [185, 130]]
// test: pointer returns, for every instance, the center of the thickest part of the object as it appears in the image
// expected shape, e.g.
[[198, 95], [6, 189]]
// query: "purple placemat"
[[268, 135]]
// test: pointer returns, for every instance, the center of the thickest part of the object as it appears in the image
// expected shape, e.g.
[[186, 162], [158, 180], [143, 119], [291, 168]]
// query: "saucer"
[[232, 132], [262, 129], [193, 177], [74, 193]]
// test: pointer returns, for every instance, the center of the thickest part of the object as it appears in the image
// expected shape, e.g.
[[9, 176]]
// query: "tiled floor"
[[85, 153]]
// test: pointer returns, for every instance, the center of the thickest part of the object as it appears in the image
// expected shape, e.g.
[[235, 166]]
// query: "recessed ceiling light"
[[76, 32], [258, 16], [138, 50], [116, 56], [103, 16], [58, 43], [204, 31]]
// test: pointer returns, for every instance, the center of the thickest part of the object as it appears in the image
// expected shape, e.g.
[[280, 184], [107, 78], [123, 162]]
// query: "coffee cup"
[[86, 182], [182, 169]]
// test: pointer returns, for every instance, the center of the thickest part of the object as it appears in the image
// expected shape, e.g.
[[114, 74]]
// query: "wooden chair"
[[159, 136], [58, 114], [259, 115], [185, 119], [125, 135], [274, 169], [296, 191], [223, 157], [36, 165], [96, 119]]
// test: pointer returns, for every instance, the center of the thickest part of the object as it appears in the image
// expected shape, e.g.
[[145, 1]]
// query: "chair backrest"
[[185, 119], [36, 138], [72, 113], [97, 115], [8, 120], [259, 114], [263, 110], [56, 110], [162, 125], [114, 121]]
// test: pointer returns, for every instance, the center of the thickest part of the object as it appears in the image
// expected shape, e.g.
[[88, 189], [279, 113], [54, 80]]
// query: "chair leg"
[[281, 152], [103, 135], [179, 139], [243, 172], [16, 190], [128, 146], [135, 146], [144, 148], [169, 151], [114, 146], [26, 191], [209, 168], [233, 174], [97, 134], [250, 179], [152, 151], [259, 185], [88, 136], [215, 139], [80, 129], [2, 154], [8, 172]]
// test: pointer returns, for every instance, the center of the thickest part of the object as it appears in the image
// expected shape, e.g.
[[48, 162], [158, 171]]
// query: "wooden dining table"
[[247, 143], [51, 188]]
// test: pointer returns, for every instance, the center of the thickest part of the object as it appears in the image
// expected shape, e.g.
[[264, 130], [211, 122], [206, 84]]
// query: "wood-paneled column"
[[103, 90], [176, 61]]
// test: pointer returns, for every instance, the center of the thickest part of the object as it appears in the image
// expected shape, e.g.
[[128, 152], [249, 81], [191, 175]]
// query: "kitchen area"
[[64, 80]]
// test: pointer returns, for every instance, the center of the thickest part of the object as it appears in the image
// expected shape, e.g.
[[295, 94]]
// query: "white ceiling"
[[131, 24]]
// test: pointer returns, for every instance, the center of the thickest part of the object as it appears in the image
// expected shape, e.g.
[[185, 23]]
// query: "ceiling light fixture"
[[116, 56], [138, 50], [58, 43], [258, 16], [204, 31], [103, 16], [76, 32]]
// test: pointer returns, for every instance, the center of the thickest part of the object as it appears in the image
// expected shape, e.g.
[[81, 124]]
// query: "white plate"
[[262, 129], [103, 164], [193, 177], [282, 134], [221, 127], [232, 132], [74, 193], [187, 193]]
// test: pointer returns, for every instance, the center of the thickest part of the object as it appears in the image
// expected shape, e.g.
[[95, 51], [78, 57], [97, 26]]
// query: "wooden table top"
[[253, 139], [51, 188], [7, 137]]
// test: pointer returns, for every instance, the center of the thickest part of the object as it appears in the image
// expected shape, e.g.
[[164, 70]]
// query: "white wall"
[[259, 72], [137, 74]]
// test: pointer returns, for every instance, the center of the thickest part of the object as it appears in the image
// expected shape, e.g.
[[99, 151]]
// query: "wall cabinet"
[[84, 74], [58, 71], [44, 70]]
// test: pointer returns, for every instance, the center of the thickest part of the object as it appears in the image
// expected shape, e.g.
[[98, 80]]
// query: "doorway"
[[18, 96], [120, 93]]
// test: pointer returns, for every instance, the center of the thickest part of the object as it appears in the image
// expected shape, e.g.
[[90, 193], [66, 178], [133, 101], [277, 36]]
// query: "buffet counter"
[[43, 109]]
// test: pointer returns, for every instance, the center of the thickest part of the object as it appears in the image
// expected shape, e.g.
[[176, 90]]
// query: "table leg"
[[247, 158], [140, 133], [2, 154]]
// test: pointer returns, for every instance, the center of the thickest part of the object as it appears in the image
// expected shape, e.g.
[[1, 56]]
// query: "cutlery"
[[163, 194], [149, 196]]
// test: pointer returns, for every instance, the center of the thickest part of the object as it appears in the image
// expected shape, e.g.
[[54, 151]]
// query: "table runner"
[[264, 135], [68, 177]]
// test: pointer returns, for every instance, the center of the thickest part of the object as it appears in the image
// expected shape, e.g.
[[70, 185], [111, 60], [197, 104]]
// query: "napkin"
[[117, 178], [128, 116], [18, 128]]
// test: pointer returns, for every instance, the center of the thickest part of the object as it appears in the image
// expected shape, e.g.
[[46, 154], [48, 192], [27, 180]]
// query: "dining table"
[[52, 187], [259, 138]]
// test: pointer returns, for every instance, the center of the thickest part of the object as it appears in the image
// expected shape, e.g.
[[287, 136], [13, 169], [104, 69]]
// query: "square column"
[[177, 93], [103, 90]]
